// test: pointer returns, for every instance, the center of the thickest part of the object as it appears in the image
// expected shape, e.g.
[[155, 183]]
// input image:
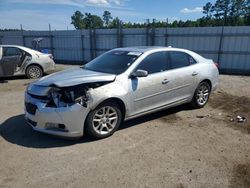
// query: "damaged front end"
[[63, 97], [59, 110], [58, 97], [59, 103]]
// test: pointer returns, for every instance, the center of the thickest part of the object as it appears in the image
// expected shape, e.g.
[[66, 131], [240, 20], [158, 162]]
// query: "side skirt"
[[173, 104]]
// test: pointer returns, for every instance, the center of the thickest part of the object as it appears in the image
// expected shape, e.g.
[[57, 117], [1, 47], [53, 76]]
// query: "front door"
[[149, 92]]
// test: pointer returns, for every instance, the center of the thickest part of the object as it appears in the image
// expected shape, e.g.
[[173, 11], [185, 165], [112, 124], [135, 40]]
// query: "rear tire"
[[103, 121], [34, 72], [201, 95]]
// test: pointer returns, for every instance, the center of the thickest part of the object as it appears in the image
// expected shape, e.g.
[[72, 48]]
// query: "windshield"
[[114, 62]]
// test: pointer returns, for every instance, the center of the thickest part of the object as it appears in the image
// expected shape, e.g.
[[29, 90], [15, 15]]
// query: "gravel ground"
[[178, 147]]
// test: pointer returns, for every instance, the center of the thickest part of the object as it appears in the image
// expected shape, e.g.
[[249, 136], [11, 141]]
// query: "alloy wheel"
[[105, 120], [34, 72], [202, 94]]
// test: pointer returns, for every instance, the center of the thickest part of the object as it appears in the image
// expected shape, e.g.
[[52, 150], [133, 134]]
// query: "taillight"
[[216, 64]]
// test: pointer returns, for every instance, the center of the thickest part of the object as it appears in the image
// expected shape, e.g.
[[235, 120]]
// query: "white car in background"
[[19, 60]]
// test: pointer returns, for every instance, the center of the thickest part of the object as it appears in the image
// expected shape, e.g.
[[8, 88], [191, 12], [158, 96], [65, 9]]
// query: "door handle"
[[195, 73], [165, 81]]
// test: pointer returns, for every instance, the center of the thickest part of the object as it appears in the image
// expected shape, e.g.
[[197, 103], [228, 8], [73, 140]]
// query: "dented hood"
[[74, 76]]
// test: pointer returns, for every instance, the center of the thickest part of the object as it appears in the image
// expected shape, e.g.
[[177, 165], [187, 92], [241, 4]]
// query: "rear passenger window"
[[11, 51], [179, 59], [192, 60], [153, 63]]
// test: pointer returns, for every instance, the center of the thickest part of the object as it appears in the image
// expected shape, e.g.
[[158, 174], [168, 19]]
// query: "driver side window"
[[154, 63]]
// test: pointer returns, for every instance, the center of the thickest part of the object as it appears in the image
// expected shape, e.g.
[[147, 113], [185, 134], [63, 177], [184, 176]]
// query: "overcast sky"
[[37, 14]]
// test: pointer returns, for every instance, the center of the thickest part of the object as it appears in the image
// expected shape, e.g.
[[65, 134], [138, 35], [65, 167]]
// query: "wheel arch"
[[119, 102], [193, 102], [209, 82]]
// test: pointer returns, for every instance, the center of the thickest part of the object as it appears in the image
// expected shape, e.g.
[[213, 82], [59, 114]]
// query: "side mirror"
[[139, 73]]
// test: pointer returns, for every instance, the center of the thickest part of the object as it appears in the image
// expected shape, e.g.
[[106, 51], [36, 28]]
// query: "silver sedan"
[[117, 86], [19, 60]]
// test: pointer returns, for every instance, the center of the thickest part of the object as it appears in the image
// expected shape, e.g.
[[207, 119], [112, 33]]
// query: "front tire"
[[201, 95], [34, 72], [103, 121]]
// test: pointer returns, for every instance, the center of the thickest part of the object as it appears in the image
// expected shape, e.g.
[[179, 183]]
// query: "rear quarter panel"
[[44, 61], [208, 70]]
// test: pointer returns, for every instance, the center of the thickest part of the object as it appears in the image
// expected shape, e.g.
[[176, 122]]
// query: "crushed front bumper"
[[63, 122]]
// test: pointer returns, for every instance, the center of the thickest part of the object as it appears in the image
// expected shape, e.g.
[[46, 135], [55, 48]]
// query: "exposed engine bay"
[[58, 97], [63, 97]]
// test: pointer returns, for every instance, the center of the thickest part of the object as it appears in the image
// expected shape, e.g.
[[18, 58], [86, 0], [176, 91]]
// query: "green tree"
[[247, 15], [229, 12], [207, 9], [92, 21], [222, 8], [222, 12], [127, 25], [77, 20], [86, 21], [115, 23], [175, 23], [107, 18], [97, 22], [238, 10]]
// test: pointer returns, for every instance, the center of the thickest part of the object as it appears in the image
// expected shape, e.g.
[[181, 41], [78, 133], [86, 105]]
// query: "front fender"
[[112, 90]]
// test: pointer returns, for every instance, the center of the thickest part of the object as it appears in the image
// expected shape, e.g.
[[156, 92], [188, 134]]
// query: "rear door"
[[11, 56], [182, 76]]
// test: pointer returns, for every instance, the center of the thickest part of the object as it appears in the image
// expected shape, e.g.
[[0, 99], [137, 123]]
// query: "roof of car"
[[139, 48], [29, 50], [143, 49]]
